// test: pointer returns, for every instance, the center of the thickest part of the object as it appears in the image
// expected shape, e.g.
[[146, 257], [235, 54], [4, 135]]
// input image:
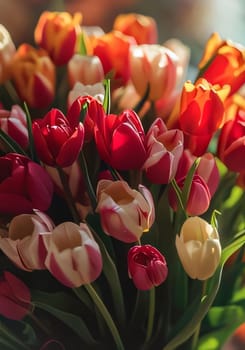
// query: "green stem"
[[151, 314], [89, 185], [106, 315], [195, 336], [68, 195], [5, 332]]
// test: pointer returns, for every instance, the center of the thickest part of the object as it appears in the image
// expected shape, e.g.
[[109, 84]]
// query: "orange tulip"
[[58, 33], [33, 75], [223, 62], [142, 28]]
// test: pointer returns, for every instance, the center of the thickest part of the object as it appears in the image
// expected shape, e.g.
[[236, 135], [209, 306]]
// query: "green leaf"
[[82, 45], [188, 182], [199, 308], [10, 339], [11, 144], [33, 154], [107, 97]]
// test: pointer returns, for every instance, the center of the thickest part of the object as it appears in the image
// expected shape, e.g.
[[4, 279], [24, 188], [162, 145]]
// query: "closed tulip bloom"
[[142, 28], [87, 70], [7, 51], [58, 140], [156, 66], [113, 50], [33, 75], [223, 62], [125, 213], [23, 245], [231, 143], [120, 139], [164, 150], [73, 257], [24, 185], [199, 248], [58, 34], [146, 266], [15, 297], [201, 113], [14, 124]]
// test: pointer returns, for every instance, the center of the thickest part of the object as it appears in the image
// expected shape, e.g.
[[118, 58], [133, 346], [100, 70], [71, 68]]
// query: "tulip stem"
[[89, 186], [68, 195], [151, 313], [106, 315]]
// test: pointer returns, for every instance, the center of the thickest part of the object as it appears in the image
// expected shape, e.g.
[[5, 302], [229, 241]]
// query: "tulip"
[[33, 75], [24, 185], [199, 248], [73, 256], [201, 113], [15, 297], [164, 149], [113, 50], [7, 51], [14, 124], [146, 266], [125, 213], [231, 143], [156, 66], [58, 34], [142, 28], [23, 245], [223, 62], [58, 140], [120, 139], [240, 181], [87, 70]]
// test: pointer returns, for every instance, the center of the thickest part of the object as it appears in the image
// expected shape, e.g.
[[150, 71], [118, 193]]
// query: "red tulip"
[[146, 266], [164, 149], [231, 144], [14, 124], [33, 75], [120, 139], [58, 33], [58, 140], [15, 297], [24, 185]]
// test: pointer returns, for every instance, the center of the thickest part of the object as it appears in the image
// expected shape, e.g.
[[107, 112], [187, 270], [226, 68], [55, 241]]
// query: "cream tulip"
[[199, 248]]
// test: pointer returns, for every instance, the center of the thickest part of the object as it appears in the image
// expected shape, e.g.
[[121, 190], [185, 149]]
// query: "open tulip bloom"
[[122, 222]]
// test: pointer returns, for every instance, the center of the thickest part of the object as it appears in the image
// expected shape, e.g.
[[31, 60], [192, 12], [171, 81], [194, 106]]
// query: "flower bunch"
[[121, 188]]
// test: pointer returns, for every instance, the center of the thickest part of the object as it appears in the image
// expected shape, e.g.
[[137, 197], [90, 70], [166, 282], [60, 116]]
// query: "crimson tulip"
[[223, 62], [120, 139], [14, 124], [58, 140], [146, 266], [33, 75], [164, 149], [24, 185], [15, 297], [125, 213], [58, 34], [231, 143]]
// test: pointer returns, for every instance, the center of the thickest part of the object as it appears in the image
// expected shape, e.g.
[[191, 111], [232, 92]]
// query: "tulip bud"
[[73, 256], [164, 150], [14, 124], [7, 50], [199, 248], [15, 297], [125, 213], [58, 33], [146, 266], [55, 136]]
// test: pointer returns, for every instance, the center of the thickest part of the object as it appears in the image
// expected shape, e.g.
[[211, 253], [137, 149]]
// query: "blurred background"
[[192, 21]]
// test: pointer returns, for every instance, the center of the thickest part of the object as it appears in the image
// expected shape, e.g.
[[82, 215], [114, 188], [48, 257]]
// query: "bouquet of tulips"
[[121, 189]]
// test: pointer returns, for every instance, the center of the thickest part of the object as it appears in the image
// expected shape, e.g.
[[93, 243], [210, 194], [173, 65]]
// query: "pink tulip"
[[125, 213], [146, 266], [14, 124], [73, 256], [164, 149], [155, 65], [24, 185], [15, 297], [58, 140], [23, 245]]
